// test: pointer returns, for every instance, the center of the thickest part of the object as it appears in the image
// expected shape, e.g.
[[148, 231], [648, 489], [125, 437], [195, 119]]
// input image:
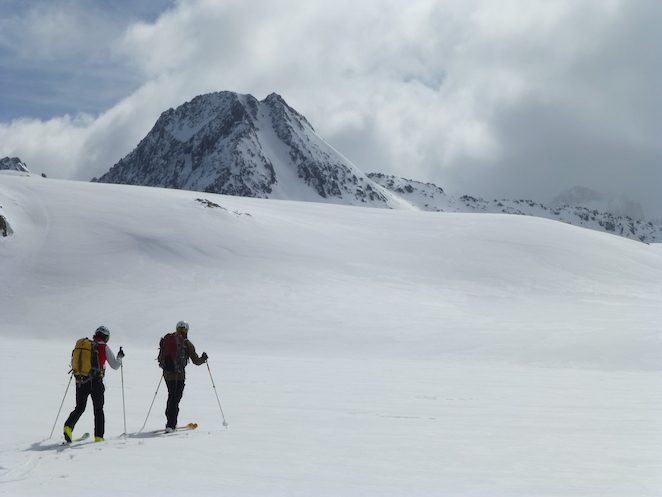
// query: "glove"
[[120, 354], [204, 356]]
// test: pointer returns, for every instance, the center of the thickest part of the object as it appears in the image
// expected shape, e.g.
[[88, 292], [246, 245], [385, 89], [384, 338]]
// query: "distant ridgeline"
[[234, 144], [429, 197]]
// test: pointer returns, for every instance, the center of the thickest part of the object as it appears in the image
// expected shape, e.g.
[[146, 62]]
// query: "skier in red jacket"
[[173, 358]]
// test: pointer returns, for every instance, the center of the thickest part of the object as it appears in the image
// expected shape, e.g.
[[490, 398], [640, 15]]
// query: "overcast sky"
[[518, 98]]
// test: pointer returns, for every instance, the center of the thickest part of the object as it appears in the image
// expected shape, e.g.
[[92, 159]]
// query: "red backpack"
[[172, 353]]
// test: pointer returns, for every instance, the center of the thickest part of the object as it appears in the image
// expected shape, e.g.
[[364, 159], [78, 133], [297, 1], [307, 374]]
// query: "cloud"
[[58, 56], [46, 32], [589, 114], [518, 98], [44, 143]]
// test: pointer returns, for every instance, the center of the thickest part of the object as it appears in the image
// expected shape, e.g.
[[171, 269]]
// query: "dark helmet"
[[103, 333]]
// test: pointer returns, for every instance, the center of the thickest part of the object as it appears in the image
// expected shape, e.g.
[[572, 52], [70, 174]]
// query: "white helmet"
[[102, 332], [182, 326]]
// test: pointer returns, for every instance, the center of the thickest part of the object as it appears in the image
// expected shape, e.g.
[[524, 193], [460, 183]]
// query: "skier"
[[175, 351], [90, 383]]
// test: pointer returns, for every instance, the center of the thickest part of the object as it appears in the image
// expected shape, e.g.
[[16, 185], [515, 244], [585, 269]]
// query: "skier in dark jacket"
[[175, 380], [93, 386]]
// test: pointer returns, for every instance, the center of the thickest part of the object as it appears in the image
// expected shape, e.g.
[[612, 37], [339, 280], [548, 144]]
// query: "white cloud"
[[473, 95], [53, 31], [56, 142]]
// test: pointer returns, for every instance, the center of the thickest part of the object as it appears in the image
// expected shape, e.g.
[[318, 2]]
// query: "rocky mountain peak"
[[234, 144], [13, 164]]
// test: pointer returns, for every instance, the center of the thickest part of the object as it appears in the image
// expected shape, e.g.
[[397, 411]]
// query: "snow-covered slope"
[[76, 237], [576, 209], [356, 351], [234, 144]]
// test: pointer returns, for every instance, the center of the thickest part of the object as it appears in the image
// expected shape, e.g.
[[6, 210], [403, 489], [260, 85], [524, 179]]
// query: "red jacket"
[[106, 355]]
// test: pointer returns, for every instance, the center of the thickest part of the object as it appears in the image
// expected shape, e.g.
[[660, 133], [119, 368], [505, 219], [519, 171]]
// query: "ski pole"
[[225, 423], [122, 375], [151, 405], [71, 375]]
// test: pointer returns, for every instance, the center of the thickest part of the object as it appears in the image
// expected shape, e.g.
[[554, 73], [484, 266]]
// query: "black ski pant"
[[96, 389], [175, 392]]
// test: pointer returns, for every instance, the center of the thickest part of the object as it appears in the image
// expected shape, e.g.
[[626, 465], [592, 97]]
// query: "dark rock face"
[[4, 227], [13, 164], [236, 145]]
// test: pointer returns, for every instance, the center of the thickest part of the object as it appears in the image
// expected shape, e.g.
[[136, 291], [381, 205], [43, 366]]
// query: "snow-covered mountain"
[[13, 164], [234, 144], [581, 196], [429, 197]]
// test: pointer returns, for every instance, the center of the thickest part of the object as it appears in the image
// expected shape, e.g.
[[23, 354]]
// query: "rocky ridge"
[[429, 197]]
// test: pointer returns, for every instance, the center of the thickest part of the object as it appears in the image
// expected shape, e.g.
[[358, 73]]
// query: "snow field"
[[356, 427], [356, 351]]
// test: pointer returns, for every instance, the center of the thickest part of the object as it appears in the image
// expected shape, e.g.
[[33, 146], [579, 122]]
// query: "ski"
[[82, 438], [189, 426]]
